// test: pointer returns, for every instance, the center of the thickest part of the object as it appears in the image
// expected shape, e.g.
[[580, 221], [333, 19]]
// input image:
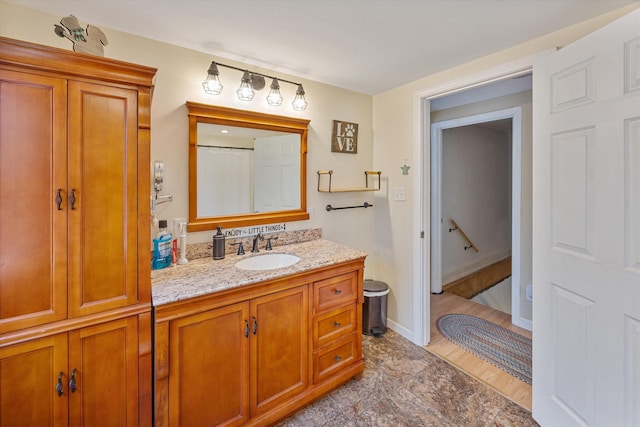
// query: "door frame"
[[422, 181], [437, 128]]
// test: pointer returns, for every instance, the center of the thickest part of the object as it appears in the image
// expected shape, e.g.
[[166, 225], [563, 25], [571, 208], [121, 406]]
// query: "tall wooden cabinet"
[[75, 311]]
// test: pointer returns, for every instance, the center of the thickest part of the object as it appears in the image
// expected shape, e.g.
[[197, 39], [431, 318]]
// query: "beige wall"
[[395, 125], [179, 78]]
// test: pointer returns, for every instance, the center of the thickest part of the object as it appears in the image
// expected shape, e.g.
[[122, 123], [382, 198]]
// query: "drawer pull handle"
[[337, 324], [337, 291], [59, 386], [72, 382], [337, 358]]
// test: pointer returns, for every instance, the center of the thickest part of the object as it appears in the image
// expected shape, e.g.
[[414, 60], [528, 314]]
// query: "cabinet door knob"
[[72, 381], [59, 198], [59, 386], [72, 199]]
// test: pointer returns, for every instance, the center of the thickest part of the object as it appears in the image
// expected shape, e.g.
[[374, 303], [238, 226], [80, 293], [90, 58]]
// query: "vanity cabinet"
[[75, 244], [279, 348], [247, 356], [209, 368], [337, 339], [235, 362]]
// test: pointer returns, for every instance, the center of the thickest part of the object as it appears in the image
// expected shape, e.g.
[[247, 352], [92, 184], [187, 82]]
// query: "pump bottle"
[[218, 245]]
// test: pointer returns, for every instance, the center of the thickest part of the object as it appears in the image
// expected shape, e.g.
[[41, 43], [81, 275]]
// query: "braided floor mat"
[[501, 347]]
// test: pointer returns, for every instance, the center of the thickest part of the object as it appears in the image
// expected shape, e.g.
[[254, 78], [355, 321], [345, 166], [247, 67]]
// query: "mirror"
[[253, 173]]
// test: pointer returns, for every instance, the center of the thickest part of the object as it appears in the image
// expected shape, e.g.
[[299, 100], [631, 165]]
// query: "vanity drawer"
[[332, 358], [334, 324], [335, 291]]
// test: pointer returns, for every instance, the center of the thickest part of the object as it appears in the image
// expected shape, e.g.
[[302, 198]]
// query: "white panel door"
[[586, 222]]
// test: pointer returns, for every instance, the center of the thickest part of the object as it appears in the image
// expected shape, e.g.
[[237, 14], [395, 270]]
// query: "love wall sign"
[[345, 137]]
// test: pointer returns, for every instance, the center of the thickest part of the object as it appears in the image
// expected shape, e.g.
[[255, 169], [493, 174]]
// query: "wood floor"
[[512, 388]]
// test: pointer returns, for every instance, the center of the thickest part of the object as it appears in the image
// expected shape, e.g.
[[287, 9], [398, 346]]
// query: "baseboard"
[[522, 322], [404, 332]]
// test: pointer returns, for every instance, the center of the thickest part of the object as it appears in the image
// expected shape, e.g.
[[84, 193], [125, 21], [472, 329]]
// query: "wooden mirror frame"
[[204, 113]]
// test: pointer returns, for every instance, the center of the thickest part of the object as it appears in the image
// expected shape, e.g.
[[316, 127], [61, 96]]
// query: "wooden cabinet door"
[[103, 179], [103, 362], [280, 347], [209, 368], [28, 376], [33, 171]]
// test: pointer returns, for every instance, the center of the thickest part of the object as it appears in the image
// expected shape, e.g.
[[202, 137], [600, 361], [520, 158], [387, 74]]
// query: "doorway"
[[422, 178], [485, 195], [478, 128], [475, 217]]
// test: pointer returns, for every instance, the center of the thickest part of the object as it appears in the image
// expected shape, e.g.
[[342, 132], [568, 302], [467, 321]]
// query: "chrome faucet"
[[254, 247]]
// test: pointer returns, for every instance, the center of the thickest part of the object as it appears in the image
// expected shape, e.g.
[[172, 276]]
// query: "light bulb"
[[245, 91], [274, 98], [299, 103], [212, 84]]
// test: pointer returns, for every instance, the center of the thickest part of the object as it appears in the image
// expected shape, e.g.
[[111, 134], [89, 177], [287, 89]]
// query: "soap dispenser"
[[218, 244]]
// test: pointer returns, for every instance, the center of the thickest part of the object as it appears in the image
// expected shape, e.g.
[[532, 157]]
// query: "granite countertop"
[[205, 275]]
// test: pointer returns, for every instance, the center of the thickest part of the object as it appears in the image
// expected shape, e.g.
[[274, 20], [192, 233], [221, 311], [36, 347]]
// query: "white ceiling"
[[367, 46]]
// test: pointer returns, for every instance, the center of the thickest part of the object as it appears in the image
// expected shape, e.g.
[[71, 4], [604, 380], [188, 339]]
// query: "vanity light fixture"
[[245, 91], [250, 82], [212, 84], [274, 98], [299, 103]]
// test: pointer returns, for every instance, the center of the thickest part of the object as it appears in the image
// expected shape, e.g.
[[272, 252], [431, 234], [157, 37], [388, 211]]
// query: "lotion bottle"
[[183, 243]]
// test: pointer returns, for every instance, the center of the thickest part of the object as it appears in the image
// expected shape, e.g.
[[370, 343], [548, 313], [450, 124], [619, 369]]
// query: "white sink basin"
[[267, 262]]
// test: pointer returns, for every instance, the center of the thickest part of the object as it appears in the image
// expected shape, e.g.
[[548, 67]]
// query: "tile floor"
[[405, 385]]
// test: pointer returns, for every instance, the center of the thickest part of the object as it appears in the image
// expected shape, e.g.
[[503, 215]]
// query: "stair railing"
[[470, 244]]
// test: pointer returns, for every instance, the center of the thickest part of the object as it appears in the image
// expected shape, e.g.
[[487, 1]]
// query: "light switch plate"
[[399, 194]]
